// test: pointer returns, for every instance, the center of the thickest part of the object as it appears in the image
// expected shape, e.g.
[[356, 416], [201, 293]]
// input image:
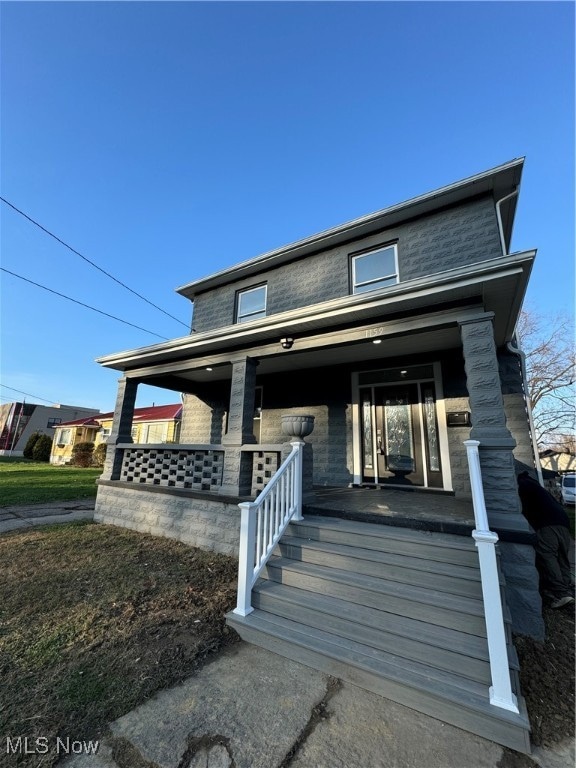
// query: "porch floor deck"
[[423, 510]]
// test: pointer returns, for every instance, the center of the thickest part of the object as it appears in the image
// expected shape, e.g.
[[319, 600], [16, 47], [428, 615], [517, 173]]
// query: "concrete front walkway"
[[30, 515], [250, 708]]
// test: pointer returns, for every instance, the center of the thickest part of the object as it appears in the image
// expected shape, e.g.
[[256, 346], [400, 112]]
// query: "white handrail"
[[501, 689], [264, 520]]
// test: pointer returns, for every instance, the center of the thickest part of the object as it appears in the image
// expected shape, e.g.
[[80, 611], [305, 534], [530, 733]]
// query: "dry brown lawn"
[[94, 620]]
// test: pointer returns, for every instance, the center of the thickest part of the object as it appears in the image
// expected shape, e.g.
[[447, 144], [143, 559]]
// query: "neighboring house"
[[558, 461], [154, 424], [396, 331], [18, 421]]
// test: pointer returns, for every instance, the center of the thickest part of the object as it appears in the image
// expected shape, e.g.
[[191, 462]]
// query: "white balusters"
[[263, 521]]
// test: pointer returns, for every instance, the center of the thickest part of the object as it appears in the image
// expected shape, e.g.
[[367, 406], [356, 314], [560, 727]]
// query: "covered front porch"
[[385, 413], [347, 363]]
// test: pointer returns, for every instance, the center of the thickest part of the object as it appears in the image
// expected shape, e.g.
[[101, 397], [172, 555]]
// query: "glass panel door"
[[399, 443], [399, 440], [399, 435]]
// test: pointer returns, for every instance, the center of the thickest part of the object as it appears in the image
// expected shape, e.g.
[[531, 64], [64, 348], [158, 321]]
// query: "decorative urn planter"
[[297, 426]]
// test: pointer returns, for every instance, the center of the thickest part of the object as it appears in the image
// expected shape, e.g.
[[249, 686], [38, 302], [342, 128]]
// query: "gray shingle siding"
[[429, 245]]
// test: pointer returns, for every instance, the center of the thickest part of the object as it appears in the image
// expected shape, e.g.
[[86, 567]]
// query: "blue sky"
[[165, 141]]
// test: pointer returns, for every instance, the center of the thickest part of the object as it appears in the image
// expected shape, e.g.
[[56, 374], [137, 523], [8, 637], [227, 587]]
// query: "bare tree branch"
[[547, 343]]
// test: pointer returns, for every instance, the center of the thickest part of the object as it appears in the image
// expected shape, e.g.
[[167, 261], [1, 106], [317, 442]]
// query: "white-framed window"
[[64, 437], [251, 304], [375, 269]]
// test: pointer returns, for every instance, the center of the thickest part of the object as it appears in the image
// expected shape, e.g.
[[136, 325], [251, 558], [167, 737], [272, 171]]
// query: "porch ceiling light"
[[208, 368], [287, 342], [376, 341]]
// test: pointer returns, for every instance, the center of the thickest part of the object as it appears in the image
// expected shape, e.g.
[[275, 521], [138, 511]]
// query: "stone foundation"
[[522, 595], [212, 525]]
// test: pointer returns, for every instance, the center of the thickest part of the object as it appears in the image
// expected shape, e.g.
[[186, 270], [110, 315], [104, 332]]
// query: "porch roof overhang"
[[414, 316], [498, 182]]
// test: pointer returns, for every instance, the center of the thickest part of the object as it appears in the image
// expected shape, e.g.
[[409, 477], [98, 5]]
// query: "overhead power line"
[[47, 231], [50, 290], [25, 393]]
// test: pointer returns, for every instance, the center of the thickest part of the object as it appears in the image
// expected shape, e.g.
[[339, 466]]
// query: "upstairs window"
[[375, 269], [251, 304], [53, 422]]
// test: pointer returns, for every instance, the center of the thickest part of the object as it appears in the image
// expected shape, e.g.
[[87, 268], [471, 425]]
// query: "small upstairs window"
[[251, 304], [375, 269]]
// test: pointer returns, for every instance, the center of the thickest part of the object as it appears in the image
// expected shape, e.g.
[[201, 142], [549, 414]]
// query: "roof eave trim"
[[346, 230]]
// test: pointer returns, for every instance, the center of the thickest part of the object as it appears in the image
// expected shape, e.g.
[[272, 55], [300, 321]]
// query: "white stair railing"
[[263, 522], [501, 694]]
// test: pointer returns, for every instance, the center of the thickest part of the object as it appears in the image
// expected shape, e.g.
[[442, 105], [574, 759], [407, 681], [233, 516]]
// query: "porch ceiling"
[[307, 355], [361, 351]]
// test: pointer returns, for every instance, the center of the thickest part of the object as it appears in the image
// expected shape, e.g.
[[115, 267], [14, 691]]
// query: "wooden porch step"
[[394, 610], [446, 648], [447, 548], [455, 700], [432, 606], [416, 570]]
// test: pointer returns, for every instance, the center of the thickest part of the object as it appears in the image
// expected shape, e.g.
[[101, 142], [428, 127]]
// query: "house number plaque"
[[372, 332]]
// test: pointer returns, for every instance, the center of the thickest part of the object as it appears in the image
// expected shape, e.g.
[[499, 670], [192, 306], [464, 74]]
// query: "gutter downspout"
[[517, 351], [499, 217]]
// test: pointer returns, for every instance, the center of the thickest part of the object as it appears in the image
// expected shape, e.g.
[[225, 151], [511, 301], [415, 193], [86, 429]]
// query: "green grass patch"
[[94, 620], [29, 482]]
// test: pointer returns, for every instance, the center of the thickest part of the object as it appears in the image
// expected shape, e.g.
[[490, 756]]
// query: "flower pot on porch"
[[297, 426]]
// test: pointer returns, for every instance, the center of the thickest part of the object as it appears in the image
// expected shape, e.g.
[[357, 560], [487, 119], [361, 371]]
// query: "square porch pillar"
[[237, 474], [499, 475], [121, 427], [489, 423]]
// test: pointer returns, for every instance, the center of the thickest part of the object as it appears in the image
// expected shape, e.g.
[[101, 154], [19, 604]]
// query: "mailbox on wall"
[[458, 419]]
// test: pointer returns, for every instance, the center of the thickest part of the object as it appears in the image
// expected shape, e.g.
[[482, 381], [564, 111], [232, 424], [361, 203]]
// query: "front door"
[[398, 439], [400, 436]]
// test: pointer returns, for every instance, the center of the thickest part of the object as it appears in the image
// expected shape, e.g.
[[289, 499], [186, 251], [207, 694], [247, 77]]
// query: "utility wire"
[[91, 262], [25, 393], [82, 304]]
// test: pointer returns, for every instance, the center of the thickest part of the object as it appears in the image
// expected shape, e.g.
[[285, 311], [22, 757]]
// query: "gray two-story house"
[[396, 332]]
